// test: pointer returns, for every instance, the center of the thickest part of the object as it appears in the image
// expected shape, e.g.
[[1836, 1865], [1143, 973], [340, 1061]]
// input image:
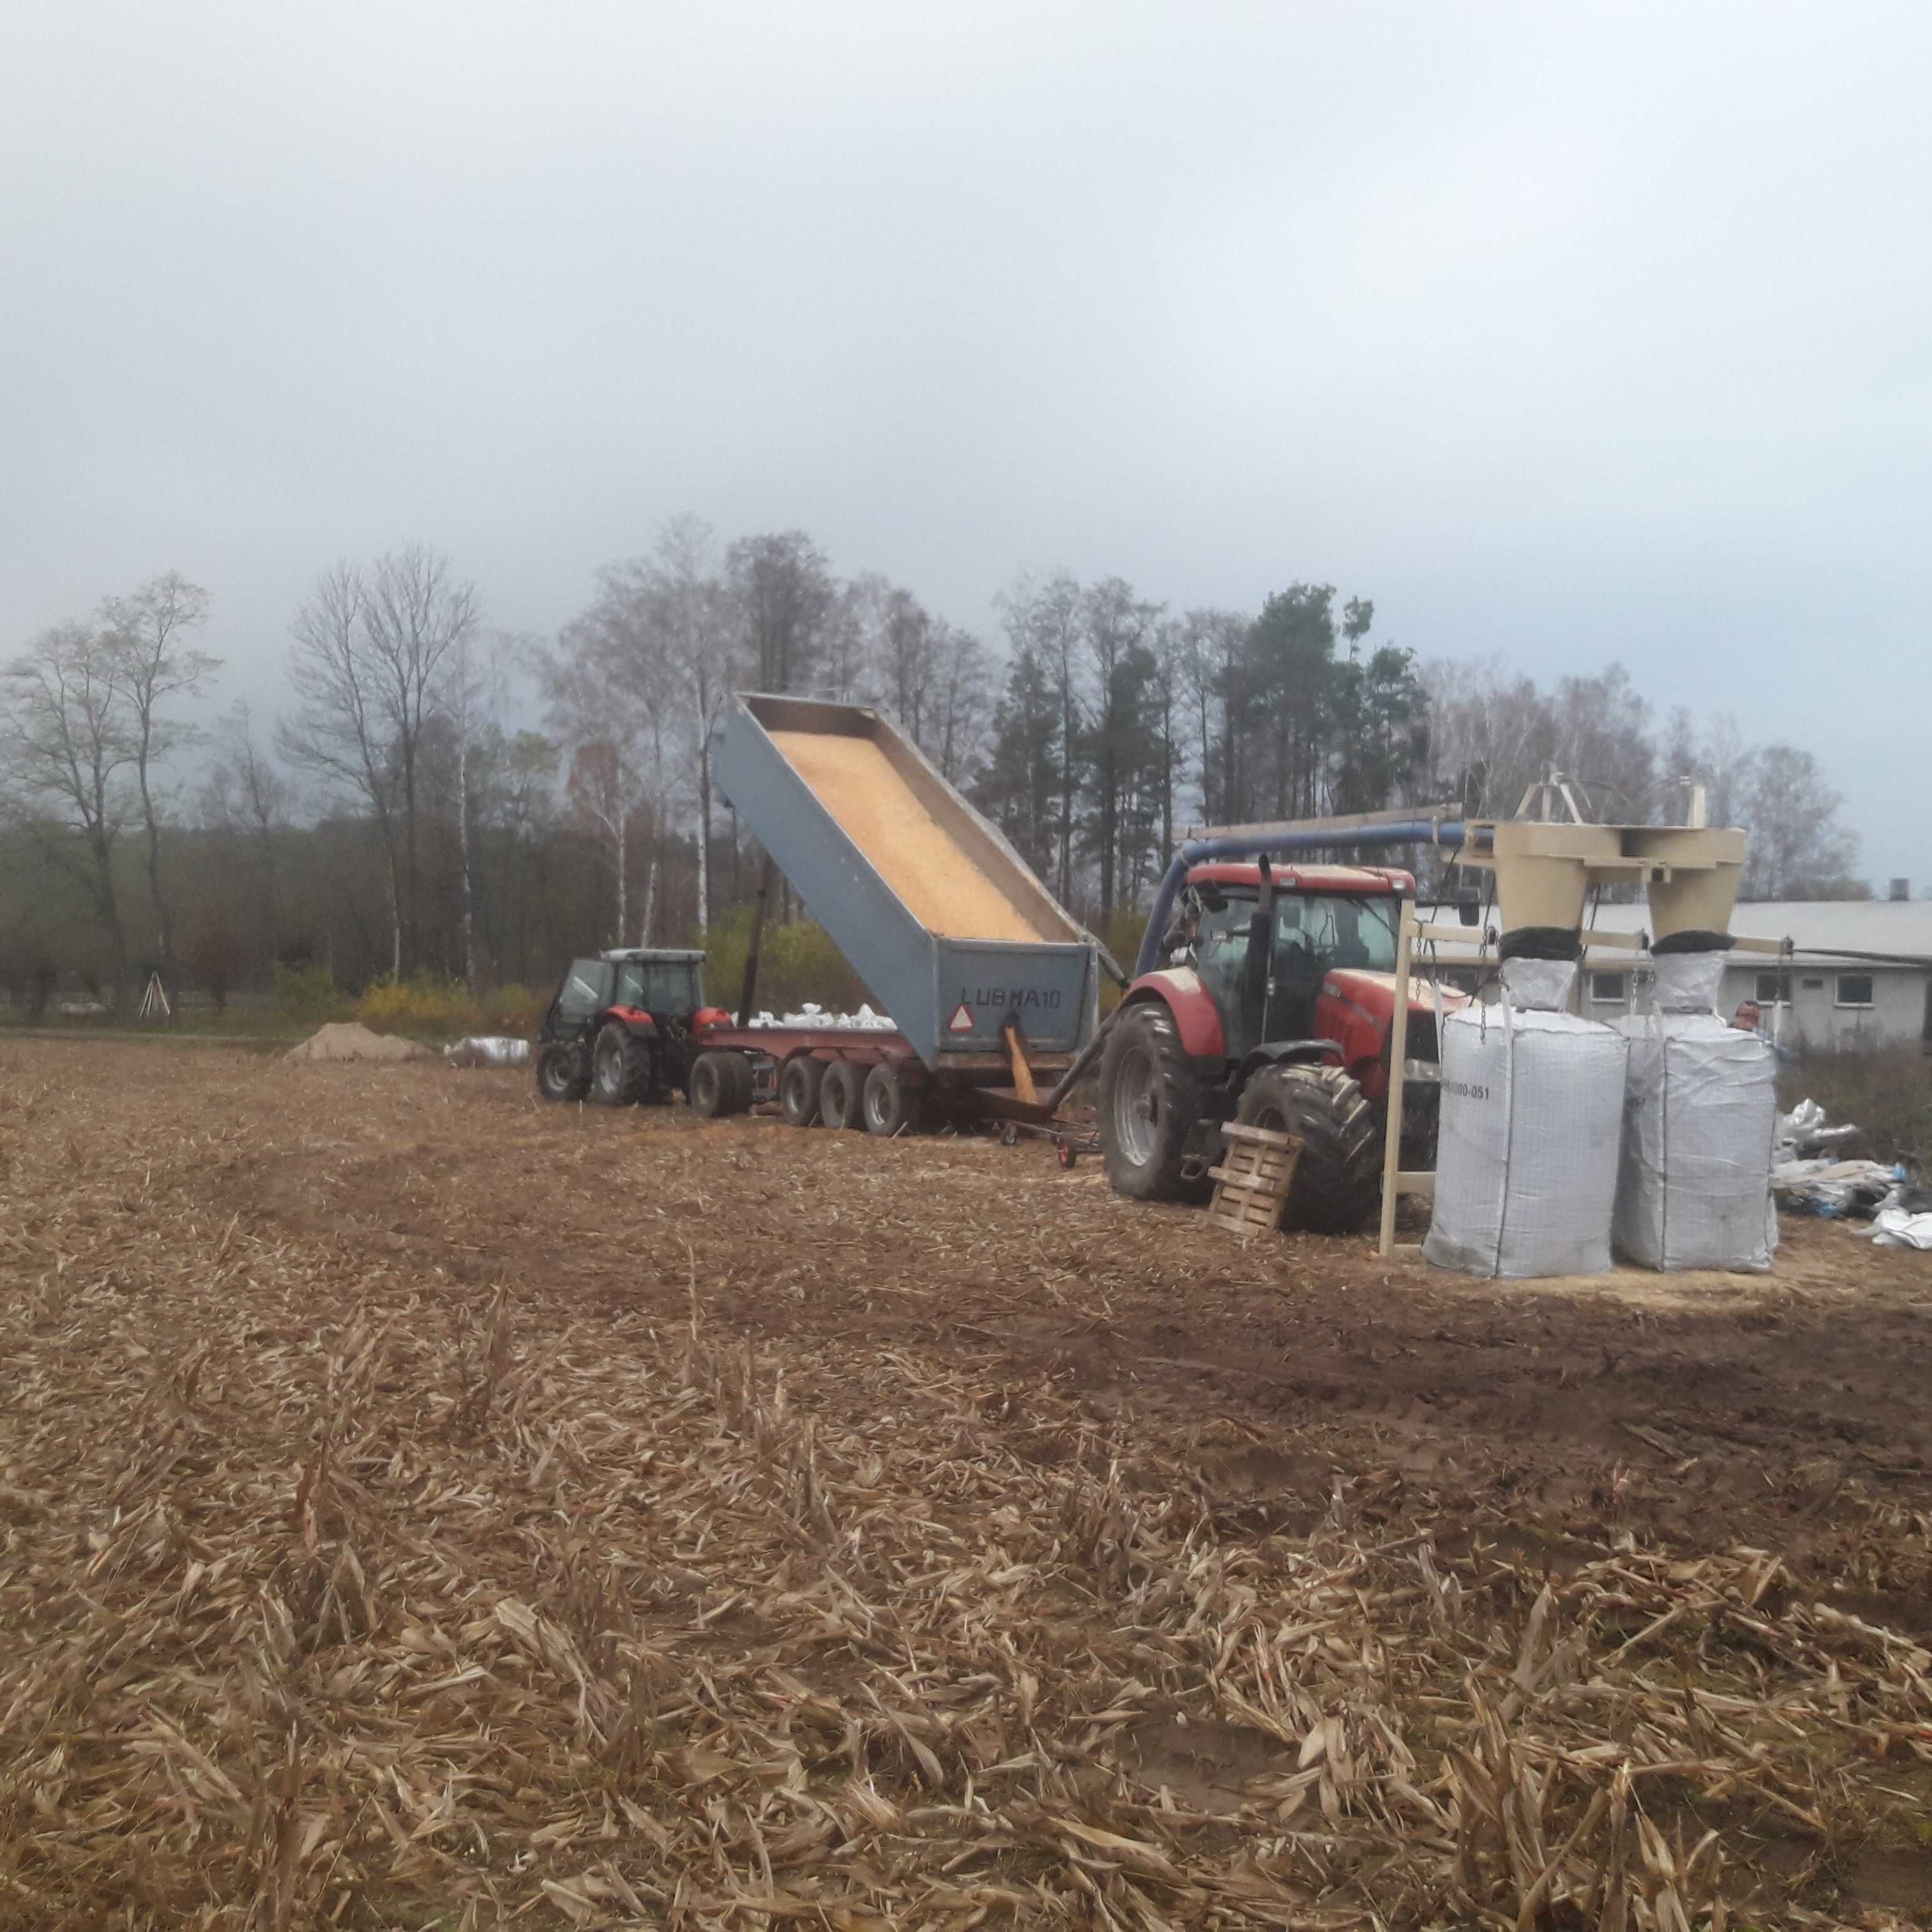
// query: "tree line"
[[434, 796]]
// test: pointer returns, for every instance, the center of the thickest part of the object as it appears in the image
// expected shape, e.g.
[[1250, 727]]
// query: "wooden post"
[[1404, 944], [751, 987]]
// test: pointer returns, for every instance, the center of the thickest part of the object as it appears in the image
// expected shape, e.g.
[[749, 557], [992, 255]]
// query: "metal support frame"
[[1419, 1181]]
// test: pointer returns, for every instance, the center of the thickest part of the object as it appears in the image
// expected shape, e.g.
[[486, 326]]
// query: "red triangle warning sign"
[[961, 1021]]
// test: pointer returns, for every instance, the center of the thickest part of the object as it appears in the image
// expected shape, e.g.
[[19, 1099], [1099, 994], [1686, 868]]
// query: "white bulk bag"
[[1700, 1113], [1532, 1108]]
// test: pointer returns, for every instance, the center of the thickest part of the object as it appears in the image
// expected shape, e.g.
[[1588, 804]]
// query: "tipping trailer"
[[991, 986]]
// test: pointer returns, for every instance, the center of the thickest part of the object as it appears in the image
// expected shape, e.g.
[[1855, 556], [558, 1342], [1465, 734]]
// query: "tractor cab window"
[[659, 986], [1320, 931], [1221, 949], [1316, 933], [586, 991]]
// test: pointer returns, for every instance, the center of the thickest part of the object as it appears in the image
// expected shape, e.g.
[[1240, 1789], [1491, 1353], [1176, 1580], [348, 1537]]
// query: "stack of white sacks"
[[1563, 1138]]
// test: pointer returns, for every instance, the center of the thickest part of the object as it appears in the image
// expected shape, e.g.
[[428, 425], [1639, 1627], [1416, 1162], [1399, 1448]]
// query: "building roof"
[[1820, 929], [1818, 926]]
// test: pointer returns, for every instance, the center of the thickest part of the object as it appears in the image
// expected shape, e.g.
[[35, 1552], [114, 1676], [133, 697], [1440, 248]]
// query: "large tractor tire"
[[800, 1080], [721, 1084], [563, 1072], [1150, 1101], [622, 1068], [842, 1098], [1338, 1183]]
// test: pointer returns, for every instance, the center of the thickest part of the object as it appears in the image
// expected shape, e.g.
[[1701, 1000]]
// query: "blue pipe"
[[1415, 832]]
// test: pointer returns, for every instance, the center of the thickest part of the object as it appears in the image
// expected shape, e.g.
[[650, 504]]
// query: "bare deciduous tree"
[[247, 799], [372, 650], [147, 631], [785, 599], [1798, 849], [68, 747]]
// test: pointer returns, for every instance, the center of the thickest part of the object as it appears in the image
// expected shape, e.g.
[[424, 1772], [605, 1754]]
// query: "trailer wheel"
[[561, 1072], [716, 1085], [744, 1079], [1338, 1183], [842, 1098], [1150, 1100], [621, 1068], [1065, 1153], [888, 1103], [800, 1082]]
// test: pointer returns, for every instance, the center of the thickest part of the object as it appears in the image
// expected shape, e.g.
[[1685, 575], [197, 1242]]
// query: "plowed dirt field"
[[420, 1506]]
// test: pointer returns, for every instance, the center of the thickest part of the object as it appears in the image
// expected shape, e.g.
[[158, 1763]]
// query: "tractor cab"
[[1318, 920]]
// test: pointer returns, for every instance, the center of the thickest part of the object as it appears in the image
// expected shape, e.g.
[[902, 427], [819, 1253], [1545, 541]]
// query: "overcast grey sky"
[[1563, 332]]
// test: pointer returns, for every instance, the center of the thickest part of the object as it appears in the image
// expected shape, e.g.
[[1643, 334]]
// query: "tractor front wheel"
[[562, 1074], [1338, 1181], [1150, 1100], [620, 1067]]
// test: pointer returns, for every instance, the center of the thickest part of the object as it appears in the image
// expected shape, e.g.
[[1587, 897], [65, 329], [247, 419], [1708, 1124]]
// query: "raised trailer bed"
[[993, 987]]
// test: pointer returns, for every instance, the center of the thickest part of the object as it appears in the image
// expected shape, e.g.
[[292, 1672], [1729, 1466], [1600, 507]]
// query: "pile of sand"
[[916, 855], [356, 1041]]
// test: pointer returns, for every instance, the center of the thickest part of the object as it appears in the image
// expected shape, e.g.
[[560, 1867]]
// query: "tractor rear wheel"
[[1150, 1101], [841, 1098], [562, 1074], [800, 1081], [621, 1068], [1338, 1182]]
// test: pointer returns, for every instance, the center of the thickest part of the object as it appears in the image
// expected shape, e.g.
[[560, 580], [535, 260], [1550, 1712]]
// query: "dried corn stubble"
[[340, 1590]]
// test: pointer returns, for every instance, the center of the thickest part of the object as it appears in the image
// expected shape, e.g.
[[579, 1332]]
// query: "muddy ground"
[[419, 1505]]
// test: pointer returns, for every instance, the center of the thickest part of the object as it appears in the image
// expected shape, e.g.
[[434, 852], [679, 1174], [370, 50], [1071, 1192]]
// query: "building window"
[[1814, 986], [1607, 989], [1854, 989], [1768, 993]]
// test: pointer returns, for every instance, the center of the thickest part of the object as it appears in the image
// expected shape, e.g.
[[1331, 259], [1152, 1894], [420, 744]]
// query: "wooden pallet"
[[1251, 1184]]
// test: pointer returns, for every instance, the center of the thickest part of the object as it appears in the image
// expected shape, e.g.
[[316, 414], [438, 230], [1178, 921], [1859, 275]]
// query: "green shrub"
[[1121, 936], [427, 1003], [433, 1005], [305, 992], [517, 1011], [797, 963]]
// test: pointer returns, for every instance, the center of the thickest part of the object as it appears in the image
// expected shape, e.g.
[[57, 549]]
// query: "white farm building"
[[1860, 974]]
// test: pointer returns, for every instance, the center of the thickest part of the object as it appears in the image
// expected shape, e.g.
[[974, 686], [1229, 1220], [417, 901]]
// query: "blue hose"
[[1414, 831]]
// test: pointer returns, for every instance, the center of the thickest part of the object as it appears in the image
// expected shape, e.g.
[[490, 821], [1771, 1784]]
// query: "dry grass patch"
[[350, 1575]]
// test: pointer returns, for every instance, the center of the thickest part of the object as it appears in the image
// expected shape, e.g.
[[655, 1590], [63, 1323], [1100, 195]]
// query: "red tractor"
[[621, 1027], [1271, 1005]]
